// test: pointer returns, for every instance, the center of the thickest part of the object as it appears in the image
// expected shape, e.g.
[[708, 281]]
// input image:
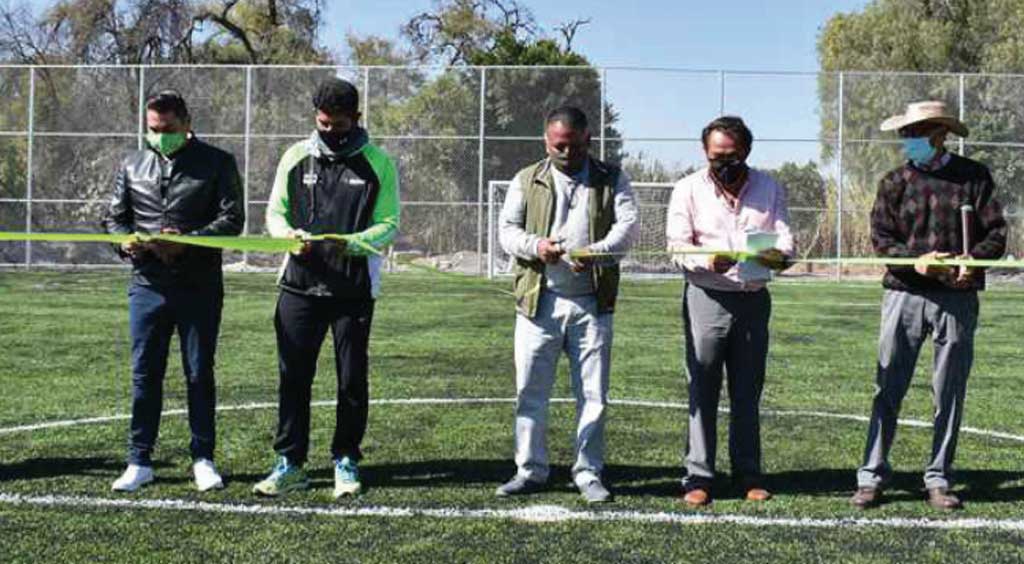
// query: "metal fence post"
[[480, 173], [490, 230], [389, 261], [839, 186], [142, 109], [604, 97], [247, 156], [28, 161], [962, 105], [366, 98]]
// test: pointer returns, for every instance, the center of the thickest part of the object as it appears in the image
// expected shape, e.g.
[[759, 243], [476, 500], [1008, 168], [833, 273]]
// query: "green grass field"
[[64, 345]]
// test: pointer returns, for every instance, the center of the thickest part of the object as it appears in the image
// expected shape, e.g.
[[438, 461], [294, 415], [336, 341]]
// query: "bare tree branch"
[[445, 33], [272, 13], [225, 23], [569, 30], [157, 31], [20, 38]]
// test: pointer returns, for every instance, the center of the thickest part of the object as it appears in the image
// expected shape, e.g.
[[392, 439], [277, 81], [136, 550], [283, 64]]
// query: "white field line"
[[479, 401], [532, 514]]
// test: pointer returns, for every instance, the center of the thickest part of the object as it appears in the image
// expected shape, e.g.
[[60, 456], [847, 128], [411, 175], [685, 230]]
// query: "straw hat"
[[932, 111]]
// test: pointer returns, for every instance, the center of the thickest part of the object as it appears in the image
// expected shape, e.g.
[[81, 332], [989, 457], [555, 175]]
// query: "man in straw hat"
[[936, 205]]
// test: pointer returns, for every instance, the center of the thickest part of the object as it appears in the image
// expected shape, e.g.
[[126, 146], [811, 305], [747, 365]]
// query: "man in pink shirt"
[[727, 206]]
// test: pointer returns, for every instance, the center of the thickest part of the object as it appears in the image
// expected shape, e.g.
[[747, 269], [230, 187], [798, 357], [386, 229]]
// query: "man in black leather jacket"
[[177, 184]]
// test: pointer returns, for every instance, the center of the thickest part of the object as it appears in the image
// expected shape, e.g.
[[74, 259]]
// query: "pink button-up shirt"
[[698, 216]]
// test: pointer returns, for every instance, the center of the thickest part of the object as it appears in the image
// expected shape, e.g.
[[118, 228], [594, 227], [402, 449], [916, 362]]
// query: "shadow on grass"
[[626, 480], [56, 467], [974, 485]]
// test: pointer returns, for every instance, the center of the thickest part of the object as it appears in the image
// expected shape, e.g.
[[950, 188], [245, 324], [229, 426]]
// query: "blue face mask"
[[919, 150]]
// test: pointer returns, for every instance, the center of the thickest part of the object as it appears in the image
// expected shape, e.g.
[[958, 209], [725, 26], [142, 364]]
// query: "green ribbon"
[[908, 261], [229, 243], [259, 244], [864, 261]]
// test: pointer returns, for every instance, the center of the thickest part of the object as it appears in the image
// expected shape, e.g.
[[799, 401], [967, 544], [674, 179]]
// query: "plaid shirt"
[[917, 211]]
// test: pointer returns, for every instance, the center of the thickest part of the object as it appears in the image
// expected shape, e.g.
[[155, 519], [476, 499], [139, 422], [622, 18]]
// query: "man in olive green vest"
[[568, 202]]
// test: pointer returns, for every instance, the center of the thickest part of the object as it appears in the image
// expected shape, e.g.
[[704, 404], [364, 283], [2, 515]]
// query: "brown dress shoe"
[[866, 497], [940, 498], [697, 497], [758, 494]]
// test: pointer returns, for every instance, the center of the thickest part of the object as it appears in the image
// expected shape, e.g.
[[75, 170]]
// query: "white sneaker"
[[134, 477], [346, 478], [206, 475]]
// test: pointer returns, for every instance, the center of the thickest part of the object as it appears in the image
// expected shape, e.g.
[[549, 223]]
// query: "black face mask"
[[333, 139], [566, 163], [729, 170]]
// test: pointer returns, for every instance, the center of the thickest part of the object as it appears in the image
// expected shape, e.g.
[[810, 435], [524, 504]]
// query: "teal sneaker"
[[346, 478], [283, 479]]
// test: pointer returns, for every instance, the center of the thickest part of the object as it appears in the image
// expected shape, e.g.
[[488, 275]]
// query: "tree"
[[104, 99], [457, 31], [811, 217], [461, 34], [934, 36], [164, 31]]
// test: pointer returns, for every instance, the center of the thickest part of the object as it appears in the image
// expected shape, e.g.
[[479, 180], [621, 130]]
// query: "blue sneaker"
[[283, 479], [346, 478]]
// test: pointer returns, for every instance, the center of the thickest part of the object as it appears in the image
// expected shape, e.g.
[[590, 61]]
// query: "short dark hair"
[[731, 126], [166, 101], [569, 115], [335, 96]]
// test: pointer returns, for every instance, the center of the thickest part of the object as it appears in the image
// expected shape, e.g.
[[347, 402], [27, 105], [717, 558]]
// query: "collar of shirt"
[[731, 201], [936, 164]]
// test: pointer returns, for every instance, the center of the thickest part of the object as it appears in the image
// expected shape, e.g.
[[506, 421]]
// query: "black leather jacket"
[[198, 191]]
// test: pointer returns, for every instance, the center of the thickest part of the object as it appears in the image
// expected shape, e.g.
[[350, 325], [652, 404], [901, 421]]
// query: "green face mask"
[[166, 143]]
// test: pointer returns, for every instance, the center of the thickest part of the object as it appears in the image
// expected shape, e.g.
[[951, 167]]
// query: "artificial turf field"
[[431, 467]]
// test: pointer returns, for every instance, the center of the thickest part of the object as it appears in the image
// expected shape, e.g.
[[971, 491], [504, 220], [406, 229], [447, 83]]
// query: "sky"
[[761, 36], [739, 35], [777, 35]]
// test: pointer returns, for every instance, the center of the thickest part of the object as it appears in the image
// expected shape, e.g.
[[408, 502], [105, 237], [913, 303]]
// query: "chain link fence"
[[458, 133]]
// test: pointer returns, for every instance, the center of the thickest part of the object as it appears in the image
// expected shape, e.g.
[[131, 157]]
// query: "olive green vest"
[[538, 187]]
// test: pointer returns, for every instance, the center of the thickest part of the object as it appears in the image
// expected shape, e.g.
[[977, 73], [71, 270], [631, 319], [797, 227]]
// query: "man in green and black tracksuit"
[[333, 182]]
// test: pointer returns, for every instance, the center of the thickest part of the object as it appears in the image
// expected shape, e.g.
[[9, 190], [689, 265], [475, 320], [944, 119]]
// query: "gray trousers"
[[569, 324], [725, 330], [907, 320]]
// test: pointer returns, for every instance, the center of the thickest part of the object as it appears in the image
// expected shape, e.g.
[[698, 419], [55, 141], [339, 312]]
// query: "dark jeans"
[[154, 313], [301, 323]]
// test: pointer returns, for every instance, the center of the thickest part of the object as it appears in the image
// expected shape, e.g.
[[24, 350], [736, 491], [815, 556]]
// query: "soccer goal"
[[652, 201]]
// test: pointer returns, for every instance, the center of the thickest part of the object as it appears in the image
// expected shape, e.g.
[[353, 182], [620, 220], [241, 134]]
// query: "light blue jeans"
[[572, 325]]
